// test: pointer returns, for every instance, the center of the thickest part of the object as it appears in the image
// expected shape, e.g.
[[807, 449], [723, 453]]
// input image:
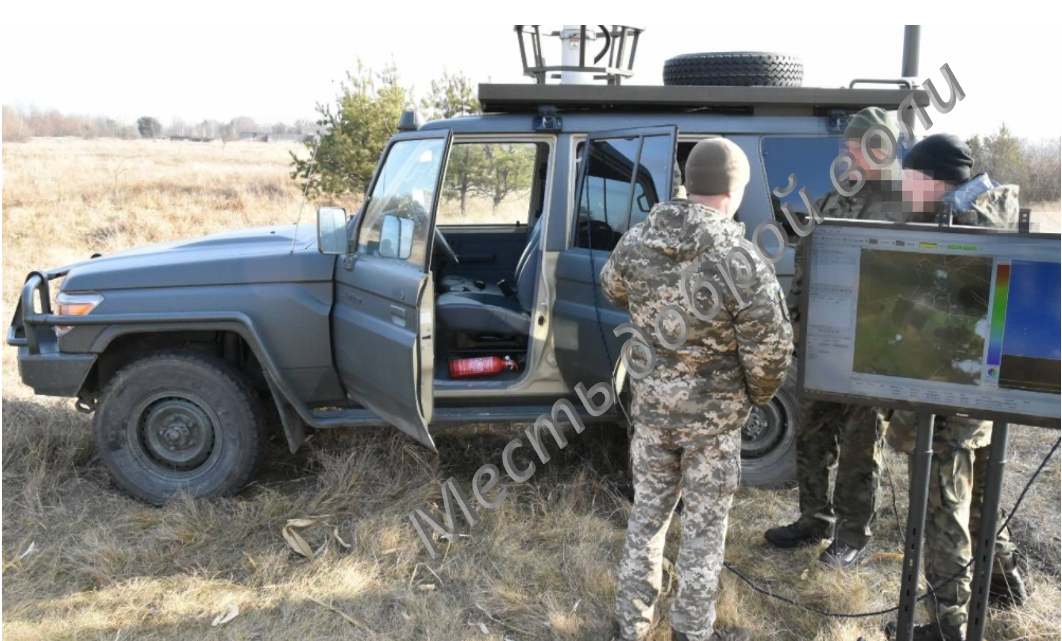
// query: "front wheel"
[[179, 422], [768, 440]]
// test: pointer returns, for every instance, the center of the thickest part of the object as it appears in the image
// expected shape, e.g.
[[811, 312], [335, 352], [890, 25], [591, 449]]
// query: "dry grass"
[[542, 566]]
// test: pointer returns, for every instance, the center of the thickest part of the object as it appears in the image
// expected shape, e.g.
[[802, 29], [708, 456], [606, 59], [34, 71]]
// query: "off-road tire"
[[182, 389], [776, 464], [735, 69]]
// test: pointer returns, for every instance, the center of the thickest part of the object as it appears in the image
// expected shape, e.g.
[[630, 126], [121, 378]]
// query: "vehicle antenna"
[[306, 189]]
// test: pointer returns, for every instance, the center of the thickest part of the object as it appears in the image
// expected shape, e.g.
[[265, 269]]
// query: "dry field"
[[83, 561]]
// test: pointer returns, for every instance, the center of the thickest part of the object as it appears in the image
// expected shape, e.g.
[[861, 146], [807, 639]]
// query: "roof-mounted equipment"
[[613, 62]]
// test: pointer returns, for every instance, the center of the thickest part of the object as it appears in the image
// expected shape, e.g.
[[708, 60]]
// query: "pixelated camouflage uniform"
[[688, 412], [960, 457], [834, 435]]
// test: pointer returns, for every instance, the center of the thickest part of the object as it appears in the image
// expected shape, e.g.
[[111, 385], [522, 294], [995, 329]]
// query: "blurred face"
[[922, 191], [852, 145]]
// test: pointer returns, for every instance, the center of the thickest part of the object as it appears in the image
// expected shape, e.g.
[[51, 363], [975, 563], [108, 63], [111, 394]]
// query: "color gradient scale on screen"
[[998, 320]]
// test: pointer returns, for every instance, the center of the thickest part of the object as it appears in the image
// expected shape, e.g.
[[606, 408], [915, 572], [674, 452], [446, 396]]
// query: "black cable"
[[930, 590]]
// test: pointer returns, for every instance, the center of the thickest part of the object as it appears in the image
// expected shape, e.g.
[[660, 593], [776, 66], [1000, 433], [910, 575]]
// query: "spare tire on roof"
[[736, 69]]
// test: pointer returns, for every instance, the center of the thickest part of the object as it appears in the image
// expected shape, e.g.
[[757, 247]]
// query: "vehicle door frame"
[[539, 379], [374, 338], [603, 309]]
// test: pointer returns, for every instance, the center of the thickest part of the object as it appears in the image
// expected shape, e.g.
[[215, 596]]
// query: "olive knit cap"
[[716, 166], [867, 118]]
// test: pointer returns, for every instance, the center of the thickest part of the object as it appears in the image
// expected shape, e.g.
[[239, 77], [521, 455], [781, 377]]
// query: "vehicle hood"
[[682, 229], [258, 255]]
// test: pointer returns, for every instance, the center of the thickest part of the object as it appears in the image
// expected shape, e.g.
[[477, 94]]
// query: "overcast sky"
[[278, 72]]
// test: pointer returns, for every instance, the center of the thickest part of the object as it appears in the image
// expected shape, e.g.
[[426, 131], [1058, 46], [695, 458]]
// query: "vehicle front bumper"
[[41, 364], [54, 373]]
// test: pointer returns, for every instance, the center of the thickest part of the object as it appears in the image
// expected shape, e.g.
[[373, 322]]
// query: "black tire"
[[768, 440], [738, 68], [179, 422]]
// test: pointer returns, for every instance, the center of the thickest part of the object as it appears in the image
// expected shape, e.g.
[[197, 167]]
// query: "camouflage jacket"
[[877, 200], [979, 202], [738, 358]]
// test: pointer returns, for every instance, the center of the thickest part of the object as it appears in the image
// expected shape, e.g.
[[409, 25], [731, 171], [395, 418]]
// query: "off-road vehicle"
[[175, 347]]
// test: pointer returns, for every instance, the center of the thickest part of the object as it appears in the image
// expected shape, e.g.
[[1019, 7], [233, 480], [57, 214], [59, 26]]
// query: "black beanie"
[[944, 156]]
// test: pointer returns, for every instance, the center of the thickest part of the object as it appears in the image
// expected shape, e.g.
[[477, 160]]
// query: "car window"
[[397, 217], [488, 183], [607, 205], [649, 188], [809, 157]]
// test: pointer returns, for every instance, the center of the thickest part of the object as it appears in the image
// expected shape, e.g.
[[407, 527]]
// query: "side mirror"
[[396, 237], [332, 231]]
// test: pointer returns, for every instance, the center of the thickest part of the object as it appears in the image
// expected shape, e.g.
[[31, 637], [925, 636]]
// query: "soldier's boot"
[[930, 632], [841, 555], [730, 634], [1007, 589], [796, 534]]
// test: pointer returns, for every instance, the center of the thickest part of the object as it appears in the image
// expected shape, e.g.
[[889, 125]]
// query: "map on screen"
[[920, 317], [936, 306]]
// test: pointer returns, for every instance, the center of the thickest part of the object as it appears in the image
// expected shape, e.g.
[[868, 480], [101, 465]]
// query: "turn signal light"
[[74, 305]]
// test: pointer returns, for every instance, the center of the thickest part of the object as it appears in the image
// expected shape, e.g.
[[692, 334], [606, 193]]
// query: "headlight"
[[74, 305]]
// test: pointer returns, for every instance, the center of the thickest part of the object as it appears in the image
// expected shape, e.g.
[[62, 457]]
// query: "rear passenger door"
[[622, 174]]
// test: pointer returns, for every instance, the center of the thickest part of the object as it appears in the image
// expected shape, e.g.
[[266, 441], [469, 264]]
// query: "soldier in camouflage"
[[937, 177], [689, 410], [835, 436]]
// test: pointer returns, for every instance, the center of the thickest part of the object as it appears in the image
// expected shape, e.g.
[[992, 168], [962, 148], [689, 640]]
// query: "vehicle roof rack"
[[761, 101]]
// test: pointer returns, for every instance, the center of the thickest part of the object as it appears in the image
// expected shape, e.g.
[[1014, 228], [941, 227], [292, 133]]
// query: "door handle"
[[398, 315]]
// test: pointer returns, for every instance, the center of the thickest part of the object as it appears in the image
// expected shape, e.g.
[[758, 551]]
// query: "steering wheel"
[[441, 243], [413, 209]]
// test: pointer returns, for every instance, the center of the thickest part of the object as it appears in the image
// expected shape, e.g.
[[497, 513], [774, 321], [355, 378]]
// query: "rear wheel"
[[176, 422], [768, 440]]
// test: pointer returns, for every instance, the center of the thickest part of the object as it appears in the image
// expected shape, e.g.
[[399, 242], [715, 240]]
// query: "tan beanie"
[[716, 166]]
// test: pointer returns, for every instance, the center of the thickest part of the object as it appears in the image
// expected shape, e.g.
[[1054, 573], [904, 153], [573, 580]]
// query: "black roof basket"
[[621, 45]]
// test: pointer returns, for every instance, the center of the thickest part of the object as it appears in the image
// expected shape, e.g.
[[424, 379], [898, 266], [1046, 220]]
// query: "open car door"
[[383, 319], [622, 174]]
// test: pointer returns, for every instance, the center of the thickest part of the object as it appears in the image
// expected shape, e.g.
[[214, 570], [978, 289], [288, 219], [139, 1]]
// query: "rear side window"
[[809, 157]]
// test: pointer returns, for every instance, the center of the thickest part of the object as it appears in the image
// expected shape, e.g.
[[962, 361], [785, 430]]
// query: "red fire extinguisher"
[[483, 366]]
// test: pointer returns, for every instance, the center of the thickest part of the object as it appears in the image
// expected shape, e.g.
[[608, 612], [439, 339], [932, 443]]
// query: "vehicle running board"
[[446, 417]]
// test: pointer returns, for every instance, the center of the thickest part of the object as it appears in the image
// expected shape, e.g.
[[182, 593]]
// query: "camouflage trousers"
[[956, 490], [845, 438], [705, 471]]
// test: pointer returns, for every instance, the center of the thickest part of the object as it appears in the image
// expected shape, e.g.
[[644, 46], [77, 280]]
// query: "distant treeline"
[[21, 124], [1035, 166]]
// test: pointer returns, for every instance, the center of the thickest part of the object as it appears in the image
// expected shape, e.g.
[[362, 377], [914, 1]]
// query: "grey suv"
[[177, 348]]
